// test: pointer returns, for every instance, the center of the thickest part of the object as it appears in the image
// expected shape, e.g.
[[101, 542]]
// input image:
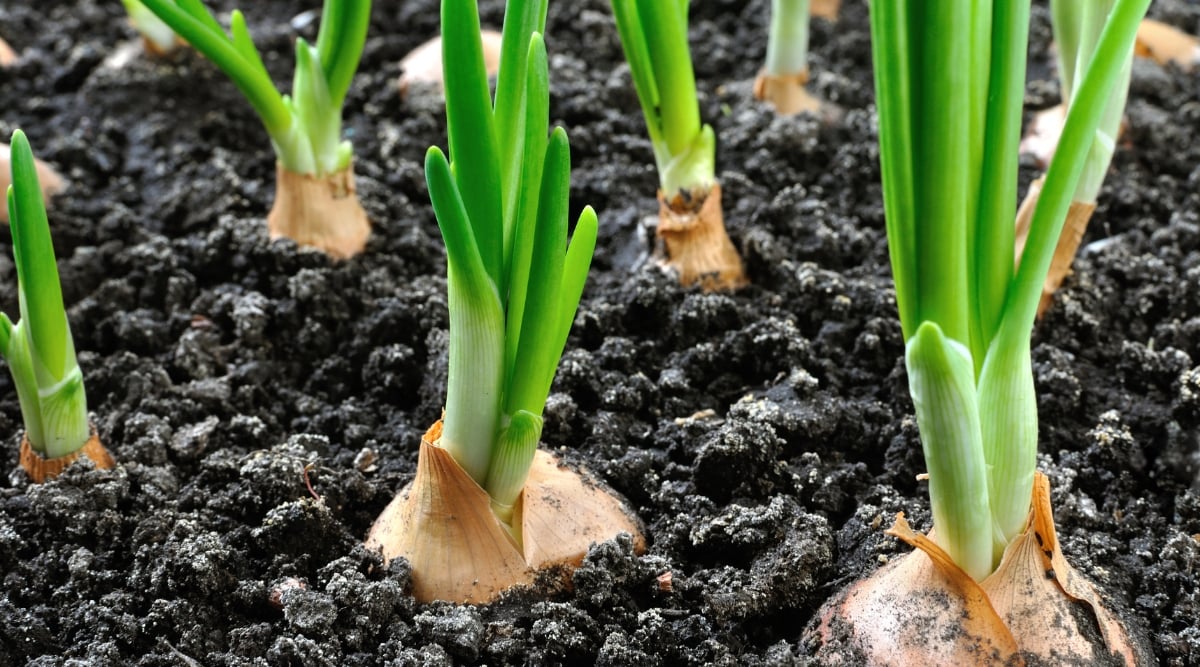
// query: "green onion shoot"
[[38, 348], [990, 579], [782, 80], [315, 199], [1077, 27], [948, 150], [691, 220], [514, 282]]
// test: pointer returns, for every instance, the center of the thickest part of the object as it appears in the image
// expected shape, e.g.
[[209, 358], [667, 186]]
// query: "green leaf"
[[633, 42], [197, 10], [462, 249], [37, 271], [471, 132], [941, 379], [665, 27], [475, 382], [319, 117], [992, 252], [515, 448], [64, 415], [890, 43], [20, 365], [1009, 421], [242, 42], [1066, 22], [520, 246], [942, 102], [523, 22], [6, 332], [536, 358], [340, 42], [575, 270]]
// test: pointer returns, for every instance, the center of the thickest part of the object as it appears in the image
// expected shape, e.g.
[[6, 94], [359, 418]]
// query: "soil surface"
[[766, 437]]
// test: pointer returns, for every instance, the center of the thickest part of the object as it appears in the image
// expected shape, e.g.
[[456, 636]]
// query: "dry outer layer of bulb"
[[1166, 44], [787, 93], [1041, 139], [696, 244], [1073, 229], [826, 9], [423, 65], [41, 470], [7, 55], [49, 179], [157, 50], [443, 524], [319, 211], [922, 609]]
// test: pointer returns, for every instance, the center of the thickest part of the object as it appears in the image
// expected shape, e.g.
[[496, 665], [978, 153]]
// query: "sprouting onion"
[[38, 348], [486, 510], [514, 282], [315, 201], [1077, 28], [949, 123], [691, 222], [156, 35], [782, 79], [990, 583]]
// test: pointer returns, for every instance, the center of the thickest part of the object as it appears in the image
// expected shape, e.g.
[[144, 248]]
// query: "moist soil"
[[765, 437]]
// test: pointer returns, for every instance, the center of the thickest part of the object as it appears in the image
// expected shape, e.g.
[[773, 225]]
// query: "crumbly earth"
[[766, 437]]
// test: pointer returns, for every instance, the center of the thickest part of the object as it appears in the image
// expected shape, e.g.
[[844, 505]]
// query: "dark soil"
[[766, 437]]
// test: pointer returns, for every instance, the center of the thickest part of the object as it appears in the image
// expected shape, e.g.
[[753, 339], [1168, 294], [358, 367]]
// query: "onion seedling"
[[949, 88], [691, 221], [782, 80], [157, 37], [514, 284], [38, 348], [1077, 27], [315, 199]]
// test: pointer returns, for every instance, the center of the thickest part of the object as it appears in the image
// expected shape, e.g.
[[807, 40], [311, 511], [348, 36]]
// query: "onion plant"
[[949, 123], [691, 222], [782, 79], [157, 36], [39, 348], [315, 201], [486, 510], [1077, 28], [514, 281]]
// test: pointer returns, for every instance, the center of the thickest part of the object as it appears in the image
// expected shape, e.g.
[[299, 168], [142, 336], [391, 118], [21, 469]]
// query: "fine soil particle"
[[765, 437]]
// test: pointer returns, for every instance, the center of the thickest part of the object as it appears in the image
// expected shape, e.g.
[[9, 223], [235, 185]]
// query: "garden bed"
[[765, 438]]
